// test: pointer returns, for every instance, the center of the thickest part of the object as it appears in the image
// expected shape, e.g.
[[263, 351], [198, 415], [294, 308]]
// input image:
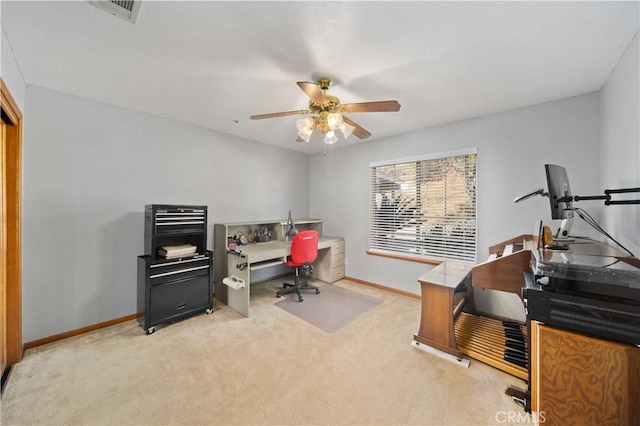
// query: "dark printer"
[[596, 295]]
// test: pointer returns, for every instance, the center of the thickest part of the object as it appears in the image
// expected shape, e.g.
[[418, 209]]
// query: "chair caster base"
[[296, 287], [279, 295]]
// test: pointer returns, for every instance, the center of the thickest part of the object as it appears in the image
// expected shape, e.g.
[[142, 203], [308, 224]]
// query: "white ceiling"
[[213, 64]]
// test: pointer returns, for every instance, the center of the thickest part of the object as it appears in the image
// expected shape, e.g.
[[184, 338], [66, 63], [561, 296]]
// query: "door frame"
[[13, 213]]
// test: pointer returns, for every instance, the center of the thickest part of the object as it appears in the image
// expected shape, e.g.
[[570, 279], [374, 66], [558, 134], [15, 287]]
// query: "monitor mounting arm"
[[606, 197]]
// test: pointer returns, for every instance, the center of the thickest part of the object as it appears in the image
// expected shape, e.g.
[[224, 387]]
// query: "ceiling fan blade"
[[313, 91], [359, 132], [279, 114], [376, 106]]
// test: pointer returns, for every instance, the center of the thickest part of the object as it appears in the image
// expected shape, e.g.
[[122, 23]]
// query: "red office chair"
[[304, 251]]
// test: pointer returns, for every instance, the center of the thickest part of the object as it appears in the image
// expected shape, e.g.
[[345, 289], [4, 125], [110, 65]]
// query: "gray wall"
[[512, 150], [620, 146], [89, 170], [11, 73]]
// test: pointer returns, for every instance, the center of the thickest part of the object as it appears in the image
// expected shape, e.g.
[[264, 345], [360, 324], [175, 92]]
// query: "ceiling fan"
[[326, 113]]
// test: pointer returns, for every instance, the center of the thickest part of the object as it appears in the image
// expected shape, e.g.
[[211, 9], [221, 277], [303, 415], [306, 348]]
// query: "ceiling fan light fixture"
[[330, 137], [346, 129], [327, 112], [334, 121], [305, 137], [305, 127]]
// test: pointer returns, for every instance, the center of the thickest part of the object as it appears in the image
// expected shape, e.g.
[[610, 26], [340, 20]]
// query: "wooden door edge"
[[14, 226]]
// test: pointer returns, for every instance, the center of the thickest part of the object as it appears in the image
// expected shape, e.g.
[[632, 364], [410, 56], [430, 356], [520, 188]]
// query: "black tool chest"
[[170, 289]]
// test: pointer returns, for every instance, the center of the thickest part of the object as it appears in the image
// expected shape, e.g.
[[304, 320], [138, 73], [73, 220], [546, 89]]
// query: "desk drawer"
[[337, 273], [337, 253], [178, 298], [338, 247], [337, 259]]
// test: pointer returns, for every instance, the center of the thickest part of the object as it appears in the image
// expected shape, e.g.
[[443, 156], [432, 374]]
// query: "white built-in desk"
[[328, 267]]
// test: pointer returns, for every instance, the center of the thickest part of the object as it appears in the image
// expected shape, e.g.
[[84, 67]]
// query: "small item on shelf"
[[172, 252], [240, 238], [262, 234]]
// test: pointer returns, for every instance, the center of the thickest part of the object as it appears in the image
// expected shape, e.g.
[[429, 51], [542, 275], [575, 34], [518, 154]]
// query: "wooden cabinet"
[[583, 380], [439, 307]]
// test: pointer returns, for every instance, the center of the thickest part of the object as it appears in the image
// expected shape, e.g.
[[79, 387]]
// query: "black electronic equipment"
[[594, 276], [606, 317], [560, 198], [596, 295]]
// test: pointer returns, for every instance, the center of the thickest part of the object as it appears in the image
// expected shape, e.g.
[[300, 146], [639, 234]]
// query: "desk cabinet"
[[329, 266], [583, 380]]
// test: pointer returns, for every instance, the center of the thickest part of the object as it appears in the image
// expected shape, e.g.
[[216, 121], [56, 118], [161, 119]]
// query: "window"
[[424, 207]]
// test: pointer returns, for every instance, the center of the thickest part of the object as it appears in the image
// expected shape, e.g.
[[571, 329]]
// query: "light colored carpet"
[[332, 309], [271, 368]]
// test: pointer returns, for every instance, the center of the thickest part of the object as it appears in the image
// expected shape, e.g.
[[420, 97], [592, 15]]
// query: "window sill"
[[401, 257]]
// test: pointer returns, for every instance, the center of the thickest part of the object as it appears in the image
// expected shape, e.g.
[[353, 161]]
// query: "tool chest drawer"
[[160, 273], [176, 298], [172, 219]]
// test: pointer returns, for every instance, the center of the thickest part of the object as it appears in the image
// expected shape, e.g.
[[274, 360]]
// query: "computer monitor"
[[560, 198]]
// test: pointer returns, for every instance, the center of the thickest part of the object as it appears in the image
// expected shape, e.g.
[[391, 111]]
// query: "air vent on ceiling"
[[125, 9]]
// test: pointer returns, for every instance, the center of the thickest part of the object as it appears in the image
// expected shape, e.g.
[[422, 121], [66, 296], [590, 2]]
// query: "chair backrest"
[[304, 247]]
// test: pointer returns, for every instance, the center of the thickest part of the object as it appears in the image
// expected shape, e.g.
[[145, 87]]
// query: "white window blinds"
[[425, 207]]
